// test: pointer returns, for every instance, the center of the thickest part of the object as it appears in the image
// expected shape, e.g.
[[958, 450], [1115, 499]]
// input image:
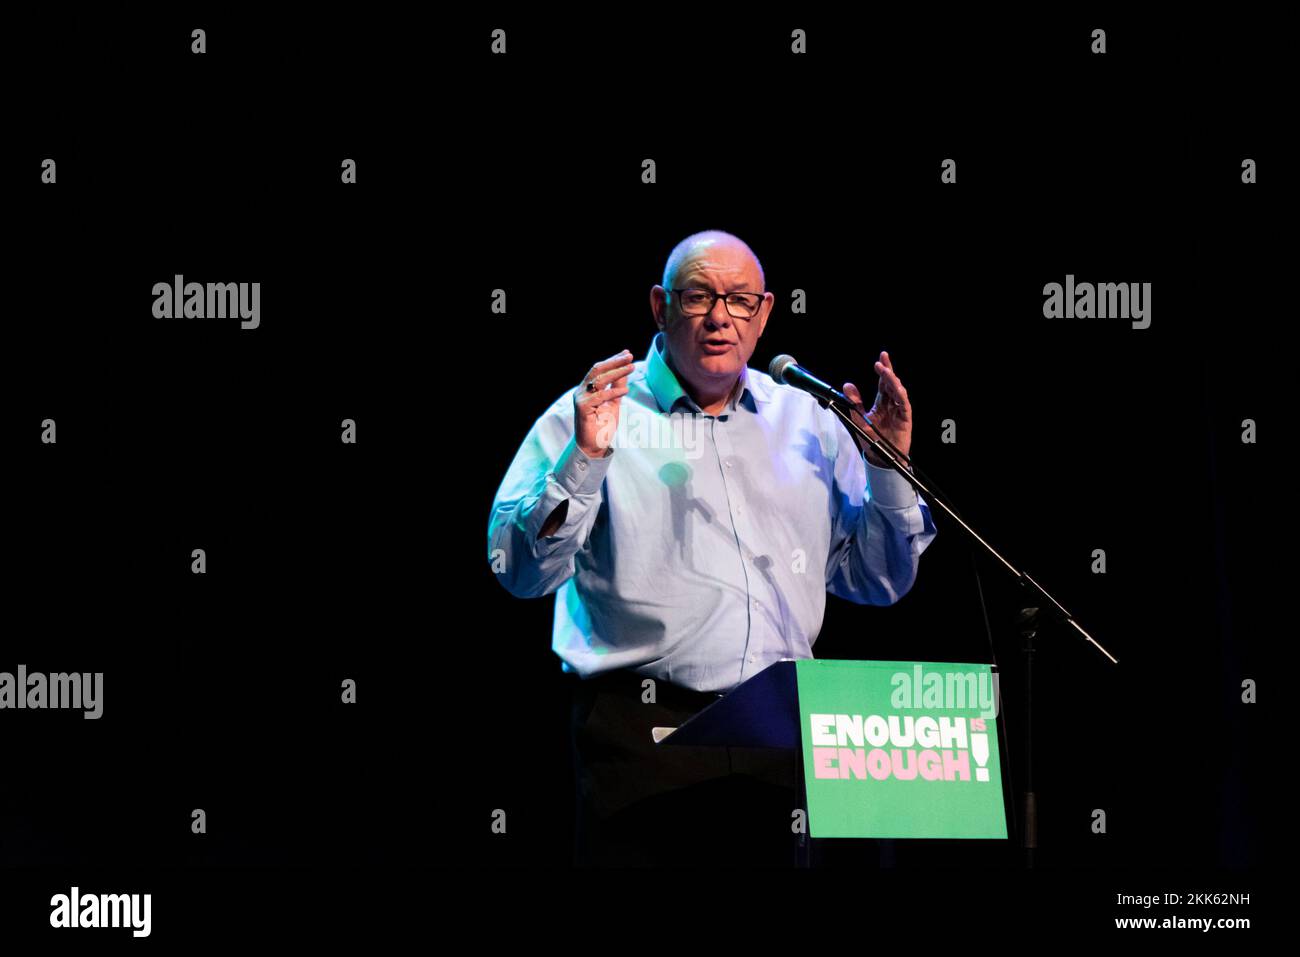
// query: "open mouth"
[[717, 345]]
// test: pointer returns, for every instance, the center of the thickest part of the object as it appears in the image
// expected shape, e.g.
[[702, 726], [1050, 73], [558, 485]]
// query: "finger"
[[594, 400], [890, 383], [603, 373], [603, 379], [623, 357], [852, 392], [897, 391]]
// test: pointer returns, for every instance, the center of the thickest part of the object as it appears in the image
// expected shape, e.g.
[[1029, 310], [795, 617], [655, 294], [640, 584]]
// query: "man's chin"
[[727, 363]]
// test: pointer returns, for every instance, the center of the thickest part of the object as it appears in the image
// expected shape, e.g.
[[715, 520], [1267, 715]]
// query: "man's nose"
[[719, 316]]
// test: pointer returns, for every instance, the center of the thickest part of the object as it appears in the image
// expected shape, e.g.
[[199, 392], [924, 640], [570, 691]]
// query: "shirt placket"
[[720, 429]]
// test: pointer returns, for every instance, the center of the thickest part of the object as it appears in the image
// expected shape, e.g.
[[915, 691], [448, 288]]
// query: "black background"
[[476, 172]]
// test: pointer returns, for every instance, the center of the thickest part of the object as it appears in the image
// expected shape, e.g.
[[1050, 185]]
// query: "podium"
[[886, 749]]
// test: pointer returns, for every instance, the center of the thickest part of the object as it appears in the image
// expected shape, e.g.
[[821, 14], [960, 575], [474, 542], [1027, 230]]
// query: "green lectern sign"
[[900, 749]]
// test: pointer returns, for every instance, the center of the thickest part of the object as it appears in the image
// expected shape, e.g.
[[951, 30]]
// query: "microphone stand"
[[891, 455], [1027, 623]]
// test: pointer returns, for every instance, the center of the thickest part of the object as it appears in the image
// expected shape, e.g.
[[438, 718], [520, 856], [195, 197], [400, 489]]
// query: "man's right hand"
[[595, 414]]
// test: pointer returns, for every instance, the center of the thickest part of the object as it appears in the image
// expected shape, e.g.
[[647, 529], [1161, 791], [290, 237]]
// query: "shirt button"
[[582, 466], [728, 465], [751, 658]]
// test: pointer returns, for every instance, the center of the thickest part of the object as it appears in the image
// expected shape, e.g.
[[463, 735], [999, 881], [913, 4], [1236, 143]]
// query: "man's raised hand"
[[596, 406]]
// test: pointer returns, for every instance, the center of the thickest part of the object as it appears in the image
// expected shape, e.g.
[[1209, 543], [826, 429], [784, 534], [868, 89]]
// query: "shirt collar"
[[668, 392]]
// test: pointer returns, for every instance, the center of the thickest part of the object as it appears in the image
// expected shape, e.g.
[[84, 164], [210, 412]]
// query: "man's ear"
[[659, 305], [764, 313]]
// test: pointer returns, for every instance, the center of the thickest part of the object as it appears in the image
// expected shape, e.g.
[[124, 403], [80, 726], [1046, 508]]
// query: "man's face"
[[710, 350]]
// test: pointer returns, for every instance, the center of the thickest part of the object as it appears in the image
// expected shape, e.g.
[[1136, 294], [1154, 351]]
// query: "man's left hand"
[[891, 413]]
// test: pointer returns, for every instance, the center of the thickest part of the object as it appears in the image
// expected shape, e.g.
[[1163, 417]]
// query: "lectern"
[[887, 749]]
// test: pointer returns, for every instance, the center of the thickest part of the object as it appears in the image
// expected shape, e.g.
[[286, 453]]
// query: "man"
[[690, 534]]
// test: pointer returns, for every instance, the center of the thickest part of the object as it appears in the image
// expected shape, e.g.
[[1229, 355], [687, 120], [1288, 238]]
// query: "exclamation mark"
[[979, 746]]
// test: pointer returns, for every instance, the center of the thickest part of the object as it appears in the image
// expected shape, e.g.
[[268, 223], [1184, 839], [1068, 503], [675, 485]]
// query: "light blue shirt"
[[701, 549]]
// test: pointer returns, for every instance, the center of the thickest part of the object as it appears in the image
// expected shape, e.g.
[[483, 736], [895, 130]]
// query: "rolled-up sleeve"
[[548, 470], [881, 527]]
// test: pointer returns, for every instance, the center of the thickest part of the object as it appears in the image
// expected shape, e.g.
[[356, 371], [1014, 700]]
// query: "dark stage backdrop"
[[329, 561]]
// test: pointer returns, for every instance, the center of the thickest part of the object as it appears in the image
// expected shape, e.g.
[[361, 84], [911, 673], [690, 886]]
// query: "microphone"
[[786, 369]]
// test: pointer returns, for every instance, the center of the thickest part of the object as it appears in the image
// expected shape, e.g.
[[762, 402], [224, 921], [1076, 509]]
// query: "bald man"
[[690, 515]]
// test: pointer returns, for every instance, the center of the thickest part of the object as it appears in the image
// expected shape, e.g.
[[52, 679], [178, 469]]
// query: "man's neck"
[[717, 404], [722, 404]]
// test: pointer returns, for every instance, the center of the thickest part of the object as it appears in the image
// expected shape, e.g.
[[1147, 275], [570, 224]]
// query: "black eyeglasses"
[[698, 302]]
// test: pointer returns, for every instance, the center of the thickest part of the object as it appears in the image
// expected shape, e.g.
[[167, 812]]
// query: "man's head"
[[707, 349]]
